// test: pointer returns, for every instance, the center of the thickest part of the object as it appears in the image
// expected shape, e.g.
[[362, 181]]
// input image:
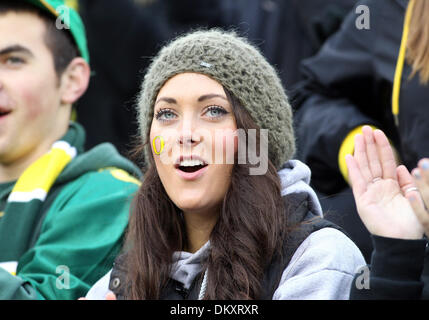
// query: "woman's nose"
[[189, 134], [189, 138]]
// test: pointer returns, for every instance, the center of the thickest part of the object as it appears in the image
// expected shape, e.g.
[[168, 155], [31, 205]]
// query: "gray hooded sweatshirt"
[[322, 267]]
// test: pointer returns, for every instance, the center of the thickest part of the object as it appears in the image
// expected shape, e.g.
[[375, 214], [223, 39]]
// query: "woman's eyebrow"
[[210, 96], [202, 98], [168, 100]]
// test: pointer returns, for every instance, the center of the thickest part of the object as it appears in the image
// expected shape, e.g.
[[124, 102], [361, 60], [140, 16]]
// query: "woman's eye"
[[14, 61], [165, 115], [215, 111]]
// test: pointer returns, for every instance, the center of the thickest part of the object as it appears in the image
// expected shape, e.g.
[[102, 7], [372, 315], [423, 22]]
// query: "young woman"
[[209, 223]]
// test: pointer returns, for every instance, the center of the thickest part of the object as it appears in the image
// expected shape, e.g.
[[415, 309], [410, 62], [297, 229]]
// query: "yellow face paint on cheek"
[[162, 144]]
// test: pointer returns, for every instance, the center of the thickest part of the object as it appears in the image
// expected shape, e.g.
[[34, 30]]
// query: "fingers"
[[360, 155], [385, 152], [419, 210], [406, 182], [358, 182], [372, 153]]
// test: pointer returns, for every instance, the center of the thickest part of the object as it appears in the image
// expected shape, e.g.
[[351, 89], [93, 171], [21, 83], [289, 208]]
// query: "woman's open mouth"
[[4, 113], [191, 168]]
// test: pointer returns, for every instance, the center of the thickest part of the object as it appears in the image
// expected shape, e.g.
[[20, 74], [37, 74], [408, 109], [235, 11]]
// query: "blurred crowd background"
[[124, 35]]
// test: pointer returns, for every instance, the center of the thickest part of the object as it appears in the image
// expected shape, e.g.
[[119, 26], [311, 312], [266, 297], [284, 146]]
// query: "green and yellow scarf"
[[25, 205]]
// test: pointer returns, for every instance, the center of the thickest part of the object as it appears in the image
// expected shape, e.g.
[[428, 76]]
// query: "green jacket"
[[74, 237]]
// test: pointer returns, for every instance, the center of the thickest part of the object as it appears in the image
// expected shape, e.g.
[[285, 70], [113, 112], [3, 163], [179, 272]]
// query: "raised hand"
[[379, 188]]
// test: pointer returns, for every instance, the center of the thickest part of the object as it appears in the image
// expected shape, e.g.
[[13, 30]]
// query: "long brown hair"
[[418, 40], [249, 233]]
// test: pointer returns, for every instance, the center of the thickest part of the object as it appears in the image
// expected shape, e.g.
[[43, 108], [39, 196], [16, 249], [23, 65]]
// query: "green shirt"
[[5, 189], [79, 235]]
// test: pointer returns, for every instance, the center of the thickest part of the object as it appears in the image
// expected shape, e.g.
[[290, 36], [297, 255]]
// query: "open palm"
[[379, 188]]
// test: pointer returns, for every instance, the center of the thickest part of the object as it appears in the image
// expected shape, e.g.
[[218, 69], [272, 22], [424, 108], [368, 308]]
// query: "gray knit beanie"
[[240, 68]]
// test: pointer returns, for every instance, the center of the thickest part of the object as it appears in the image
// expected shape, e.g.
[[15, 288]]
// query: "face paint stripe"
[[154, 145]]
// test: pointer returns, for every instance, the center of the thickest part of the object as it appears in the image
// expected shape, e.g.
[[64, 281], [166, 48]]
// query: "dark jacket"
[[399, 270], [286, 31], [348, 84]]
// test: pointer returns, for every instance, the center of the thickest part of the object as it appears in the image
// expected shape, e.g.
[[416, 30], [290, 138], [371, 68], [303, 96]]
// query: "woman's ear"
[[74, 81]]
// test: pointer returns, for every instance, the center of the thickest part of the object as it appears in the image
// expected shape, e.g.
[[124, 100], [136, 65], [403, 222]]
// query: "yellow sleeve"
[[348, 147]]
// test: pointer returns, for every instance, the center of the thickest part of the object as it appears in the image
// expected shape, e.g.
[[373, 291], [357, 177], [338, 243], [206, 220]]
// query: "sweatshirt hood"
[[295, 178], [186, 265]]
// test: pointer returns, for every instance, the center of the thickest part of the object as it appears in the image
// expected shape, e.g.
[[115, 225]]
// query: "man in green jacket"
[[63, 211]]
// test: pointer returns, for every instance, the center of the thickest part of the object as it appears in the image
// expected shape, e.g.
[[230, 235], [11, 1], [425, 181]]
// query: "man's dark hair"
[[59, 42]]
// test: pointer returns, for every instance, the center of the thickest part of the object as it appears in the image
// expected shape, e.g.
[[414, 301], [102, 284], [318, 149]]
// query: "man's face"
[[31, 118]]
